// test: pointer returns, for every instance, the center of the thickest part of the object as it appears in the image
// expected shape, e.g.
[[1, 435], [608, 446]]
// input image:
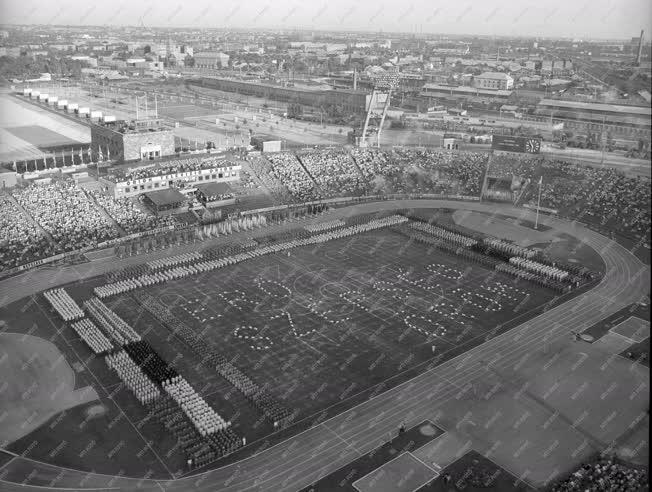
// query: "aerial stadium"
[[186, 317]]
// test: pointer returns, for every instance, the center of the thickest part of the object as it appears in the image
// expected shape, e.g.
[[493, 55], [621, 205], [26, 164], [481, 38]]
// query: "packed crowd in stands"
[[335, 172], [63, 304], [66, 213], [602, 196], [598, 195], [289, 171], [21, 241], [128, 215], [168, 167], [605, 475], [373, 162], [263, 169]]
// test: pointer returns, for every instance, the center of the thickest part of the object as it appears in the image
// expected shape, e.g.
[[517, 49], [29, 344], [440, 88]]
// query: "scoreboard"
[[528, 145]]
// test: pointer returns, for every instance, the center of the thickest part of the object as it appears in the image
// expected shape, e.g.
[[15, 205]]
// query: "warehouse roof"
[[589, 106], [471, 91]]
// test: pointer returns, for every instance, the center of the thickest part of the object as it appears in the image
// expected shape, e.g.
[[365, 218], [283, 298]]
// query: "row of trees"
[[24, 67]]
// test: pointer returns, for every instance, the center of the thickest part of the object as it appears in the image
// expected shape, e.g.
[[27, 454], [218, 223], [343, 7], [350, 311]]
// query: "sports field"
[[326, 323]]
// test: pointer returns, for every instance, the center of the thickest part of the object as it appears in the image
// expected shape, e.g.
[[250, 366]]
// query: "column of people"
[[110, 322], [92, 335], [63, 304]]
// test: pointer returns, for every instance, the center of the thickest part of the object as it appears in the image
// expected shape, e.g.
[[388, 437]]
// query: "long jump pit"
[[405, 473], [38, 383]]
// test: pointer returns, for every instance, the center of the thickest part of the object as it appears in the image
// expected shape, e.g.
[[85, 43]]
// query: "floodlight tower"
[[384, 84]]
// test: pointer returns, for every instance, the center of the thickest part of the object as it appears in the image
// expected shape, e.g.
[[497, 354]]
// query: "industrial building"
[[494, 81], [351, 101], [211, 59], [617, 119], [433, 92]]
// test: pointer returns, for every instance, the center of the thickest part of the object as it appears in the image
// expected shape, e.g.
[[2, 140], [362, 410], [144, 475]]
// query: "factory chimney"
[[640, 50]]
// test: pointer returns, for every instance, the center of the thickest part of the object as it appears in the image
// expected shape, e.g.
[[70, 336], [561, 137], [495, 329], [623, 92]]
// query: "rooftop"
[[464, 90], [168, 196], [589, 106], [493, 75], [213, 189]]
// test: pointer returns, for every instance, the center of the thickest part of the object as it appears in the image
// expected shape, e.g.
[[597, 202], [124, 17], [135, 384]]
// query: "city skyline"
[[603, 19]]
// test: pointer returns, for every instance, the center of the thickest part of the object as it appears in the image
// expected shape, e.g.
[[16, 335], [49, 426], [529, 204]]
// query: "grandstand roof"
[[168, 196], [588, 106], [213, 189]]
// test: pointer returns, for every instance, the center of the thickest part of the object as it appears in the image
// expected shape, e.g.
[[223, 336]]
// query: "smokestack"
[[640, 49], [355, 79]]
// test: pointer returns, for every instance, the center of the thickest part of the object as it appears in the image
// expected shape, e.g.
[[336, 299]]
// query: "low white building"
[[494, 81], [211, 59]]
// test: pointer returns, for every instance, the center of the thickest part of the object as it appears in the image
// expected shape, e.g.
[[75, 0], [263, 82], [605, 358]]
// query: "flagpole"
[[536, 222]]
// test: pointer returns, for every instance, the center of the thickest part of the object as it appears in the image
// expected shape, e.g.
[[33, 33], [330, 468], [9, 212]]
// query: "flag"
[[100, 157], [541, 180], [108, 153]]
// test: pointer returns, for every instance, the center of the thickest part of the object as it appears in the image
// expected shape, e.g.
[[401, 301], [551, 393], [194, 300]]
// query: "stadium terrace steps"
[[31, 219], [309, 174], [355, 165], [104, 212]]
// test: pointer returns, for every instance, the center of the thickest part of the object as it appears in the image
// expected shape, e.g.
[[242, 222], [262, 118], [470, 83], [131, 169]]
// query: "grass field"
[[326, 323]]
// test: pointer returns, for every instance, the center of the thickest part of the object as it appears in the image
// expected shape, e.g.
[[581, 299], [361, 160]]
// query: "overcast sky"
[[566, 18]]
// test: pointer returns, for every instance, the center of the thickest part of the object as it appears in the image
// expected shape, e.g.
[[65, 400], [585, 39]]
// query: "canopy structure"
[[165, 199]]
